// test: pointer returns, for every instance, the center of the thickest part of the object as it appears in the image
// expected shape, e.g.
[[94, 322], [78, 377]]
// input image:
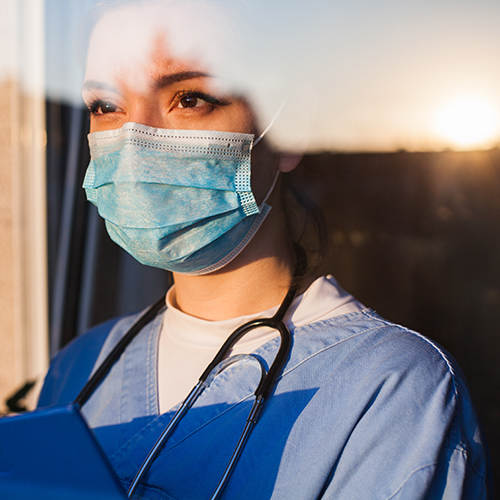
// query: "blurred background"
[[396, 108]]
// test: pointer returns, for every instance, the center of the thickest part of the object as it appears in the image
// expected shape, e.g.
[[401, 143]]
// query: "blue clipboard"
[[51, 454]]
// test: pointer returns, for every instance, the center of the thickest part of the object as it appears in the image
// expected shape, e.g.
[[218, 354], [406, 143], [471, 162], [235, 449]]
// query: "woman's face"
[[132, 77]]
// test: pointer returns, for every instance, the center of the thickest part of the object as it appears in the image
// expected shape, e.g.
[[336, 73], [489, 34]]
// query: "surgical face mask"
[[175, 199]]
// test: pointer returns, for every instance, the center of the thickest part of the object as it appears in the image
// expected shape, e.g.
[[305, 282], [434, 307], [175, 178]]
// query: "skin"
[[160, 90]]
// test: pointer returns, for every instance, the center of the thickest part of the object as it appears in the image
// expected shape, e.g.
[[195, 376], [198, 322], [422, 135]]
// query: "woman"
[[361, 408]]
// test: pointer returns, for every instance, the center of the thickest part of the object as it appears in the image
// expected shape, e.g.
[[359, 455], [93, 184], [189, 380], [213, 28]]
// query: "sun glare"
[[468, 122]]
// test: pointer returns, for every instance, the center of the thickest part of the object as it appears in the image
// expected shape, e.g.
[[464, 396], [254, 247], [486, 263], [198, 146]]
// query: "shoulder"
[[402, 397], [367, 341], [374, 356], [72, 366]]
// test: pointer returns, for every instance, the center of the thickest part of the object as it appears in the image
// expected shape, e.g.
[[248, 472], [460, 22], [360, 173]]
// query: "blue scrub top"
[[364, 409]]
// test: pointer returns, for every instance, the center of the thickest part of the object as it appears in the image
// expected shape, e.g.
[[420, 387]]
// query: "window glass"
[[393, 108]]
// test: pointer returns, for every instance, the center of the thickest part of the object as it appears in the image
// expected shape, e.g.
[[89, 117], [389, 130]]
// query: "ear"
[[288, 161]]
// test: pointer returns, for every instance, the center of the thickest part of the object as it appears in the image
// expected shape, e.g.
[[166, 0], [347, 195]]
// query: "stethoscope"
[[218, 364]]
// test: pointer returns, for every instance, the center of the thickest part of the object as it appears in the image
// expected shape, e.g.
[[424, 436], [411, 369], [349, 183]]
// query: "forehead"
[[135, 44]]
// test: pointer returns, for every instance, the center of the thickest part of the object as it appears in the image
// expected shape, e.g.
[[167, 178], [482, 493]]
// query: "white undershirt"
[[188, 344]]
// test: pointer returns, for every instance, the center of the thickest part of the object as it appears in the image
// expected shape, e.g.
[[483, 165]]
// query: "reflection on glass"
[[414, 235], [355, 75]]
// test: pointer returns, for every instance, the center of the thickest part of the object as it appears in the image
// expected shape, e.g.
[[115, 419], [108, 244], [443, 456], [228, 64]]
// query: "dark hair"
[[305, 221]]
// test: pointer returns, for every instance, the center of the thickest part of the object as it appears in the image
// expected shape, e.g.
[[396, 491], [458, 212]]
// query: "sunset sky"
[[357, 75]]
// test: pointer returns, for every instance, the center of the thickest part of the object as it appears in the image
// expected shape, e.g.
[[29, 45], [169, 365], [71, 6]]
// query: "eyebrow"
[[166, 80], [158, 83]]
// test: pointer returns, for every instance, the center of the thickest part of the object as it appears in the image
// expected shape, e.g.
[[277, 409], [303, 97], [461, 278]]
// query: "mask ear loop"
[[261, 136], [275, 117], [261, 206]]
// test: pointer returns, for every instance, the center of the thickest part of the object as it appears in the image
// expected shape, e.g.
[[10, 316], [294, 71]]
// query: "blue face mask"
[[175, 199]]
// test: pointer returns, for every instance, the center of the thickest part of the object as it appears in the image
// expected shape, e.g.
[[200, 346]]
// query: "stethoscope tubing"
[[264, 387], [100, 374], [261, 393], [251, 421], [186, 404]]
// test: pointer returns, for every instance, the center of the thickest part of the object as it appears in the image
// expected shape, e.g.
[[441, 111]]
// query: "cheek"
[[245, 121], [111, 123], [237, 117]]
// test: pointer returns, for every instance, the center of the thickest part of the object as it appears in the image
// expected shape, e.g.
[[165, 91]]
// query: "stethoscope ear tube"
[[184, 407], [251, 421], [99, 375], [186, 404], [261, 393], [276, 323]]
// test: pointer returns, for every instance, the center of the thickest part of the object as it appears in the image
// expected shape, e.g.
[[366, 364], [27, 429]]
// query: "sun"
[[468, 122]]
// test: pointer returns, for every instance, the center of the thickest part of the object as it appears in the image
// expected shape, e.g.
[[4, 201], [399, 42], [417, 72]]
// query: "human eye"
[[102, 107], [195, 99]]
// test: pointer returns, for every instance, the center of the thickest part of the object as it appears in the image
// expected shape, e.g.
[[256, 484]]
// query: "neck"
[[254, 281]]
